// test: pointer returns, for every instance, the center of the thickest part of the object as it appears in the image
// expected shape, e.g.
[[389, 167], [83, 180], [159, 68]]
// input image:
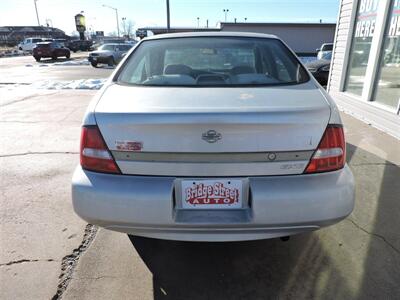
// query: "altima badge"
[[211, 136]]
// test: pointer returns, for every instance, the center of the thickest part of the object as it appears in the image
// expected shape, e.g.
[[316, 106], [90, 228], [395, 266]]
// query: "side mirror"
[[318, 50], [123, 54]]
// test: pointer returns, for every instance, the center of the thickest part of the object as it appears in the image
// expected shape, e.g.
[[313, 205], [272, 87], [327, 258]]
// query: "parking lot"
[[25, 70], [49, 252]]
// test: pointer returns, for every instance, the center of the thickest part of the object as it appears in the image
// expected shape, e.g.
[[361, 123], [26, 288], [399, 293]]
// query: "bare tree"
[[128, 27]]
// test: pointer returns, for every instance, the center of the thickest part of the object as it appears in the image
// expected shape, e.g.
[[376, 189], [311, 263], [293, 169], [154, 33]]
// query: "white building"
[[303, 38], [365, 70]]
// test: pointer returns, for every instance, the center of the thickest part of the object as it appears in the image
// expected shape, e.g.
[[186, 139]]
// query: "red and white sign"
[[128, 145], [208, 194]]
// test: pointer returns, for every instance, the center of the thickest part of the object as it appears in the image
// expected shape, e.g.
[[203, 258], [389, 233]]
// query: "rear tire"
[[37, 58], [68, 55], [94, 64], [54, 57]]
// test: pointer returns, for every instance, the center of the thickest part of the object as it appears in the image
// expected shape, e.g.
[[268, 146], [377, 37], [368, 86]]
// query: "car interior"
[[212, 64]]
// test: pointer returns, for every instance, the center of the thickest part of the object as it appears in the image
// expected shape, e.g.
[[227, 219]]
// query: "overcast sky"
[[153, 12]]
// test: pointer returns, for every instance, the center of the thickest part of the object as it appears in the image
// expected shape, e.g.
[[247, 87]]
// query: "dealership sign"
[[394, 26], [366, 18], [80, 23]]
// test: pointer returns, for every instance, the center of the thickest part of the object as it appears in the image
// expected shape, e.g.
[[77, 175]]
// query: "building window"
[[363, 32], [388, 83]]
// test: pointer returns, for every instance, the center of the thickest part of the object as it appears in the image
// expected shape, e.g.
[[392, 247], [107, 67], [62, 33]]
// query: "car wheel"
[[20, 48], [37, 58], [94, 64], [54, 57], [68, 55]]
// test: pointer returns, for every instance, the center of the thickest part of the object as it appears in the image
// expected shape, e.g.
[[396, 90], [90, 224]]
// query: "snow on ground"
[[80, 84], [10, 93], [12, 53], [81, 62]]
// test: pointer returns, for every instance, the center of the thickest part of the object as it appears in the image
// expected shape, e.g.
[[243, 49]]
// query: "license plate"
[[212, 194]]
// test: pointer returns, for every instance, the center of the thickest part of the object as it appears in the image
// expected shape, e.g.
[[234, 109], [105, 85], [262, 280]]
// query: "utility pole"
[[168, 24], [207, 23], [37, 15], [116, 15], [198, 22], [124, 27]]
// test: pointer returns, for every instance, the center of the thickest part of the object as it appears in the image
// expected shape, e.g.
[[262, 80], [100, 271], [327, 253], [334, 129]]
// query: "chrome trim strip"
[[220, 157]]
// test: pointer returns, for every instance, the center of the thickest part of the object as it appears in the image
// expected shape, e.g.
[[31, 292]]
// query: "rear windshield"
[[36, 40], [327, 47], [124, 47], [107, 47], [212, 61]]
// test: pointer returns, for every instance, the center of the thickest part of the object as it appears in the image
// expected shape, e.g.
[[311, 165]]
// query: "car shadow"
[[305, 267], [50, 60], [377, 215], [105, 66], [265, 269]]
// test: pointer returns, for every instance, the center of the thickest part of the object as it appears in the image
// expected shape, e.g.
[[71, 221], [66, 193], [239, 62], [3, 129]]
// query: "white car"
[[325, 49], [29, 43], [110, 54], [212, 137]]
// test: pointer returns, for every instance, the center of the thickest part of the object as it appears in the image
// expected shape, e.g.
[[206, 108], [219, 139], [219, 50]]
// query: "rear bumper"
[[42, 54], [278, 206]]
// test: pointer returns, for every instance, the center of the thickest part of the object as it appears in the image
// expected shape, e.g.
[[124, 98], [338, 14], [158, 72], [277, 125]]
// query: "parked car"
[[113, 41], [50, 49], [79, 45], [320, 68], [61, 42], [327, 47], [212, 137], [29, 43], [109, 54]]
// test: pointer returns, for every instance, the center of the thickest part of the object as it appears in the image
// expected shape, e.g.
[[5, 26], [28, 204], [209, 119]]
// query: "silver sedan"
[[110, 54], [212, 137]]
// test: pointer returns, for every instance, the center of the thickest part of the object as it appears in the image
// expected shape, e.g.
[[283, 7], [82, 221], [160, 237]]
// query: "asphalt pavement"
[[25, 70], [47, 252]]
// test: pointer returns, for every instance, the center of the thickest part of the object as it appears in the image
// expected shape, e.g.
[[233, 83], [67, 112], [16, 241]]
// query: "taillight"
[[94, 152], [331, 152]]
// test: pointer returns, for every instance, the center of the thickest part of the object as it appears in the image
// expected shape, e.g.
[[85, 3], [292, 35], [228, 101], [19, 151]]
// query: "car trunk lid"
[[240, 131]]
